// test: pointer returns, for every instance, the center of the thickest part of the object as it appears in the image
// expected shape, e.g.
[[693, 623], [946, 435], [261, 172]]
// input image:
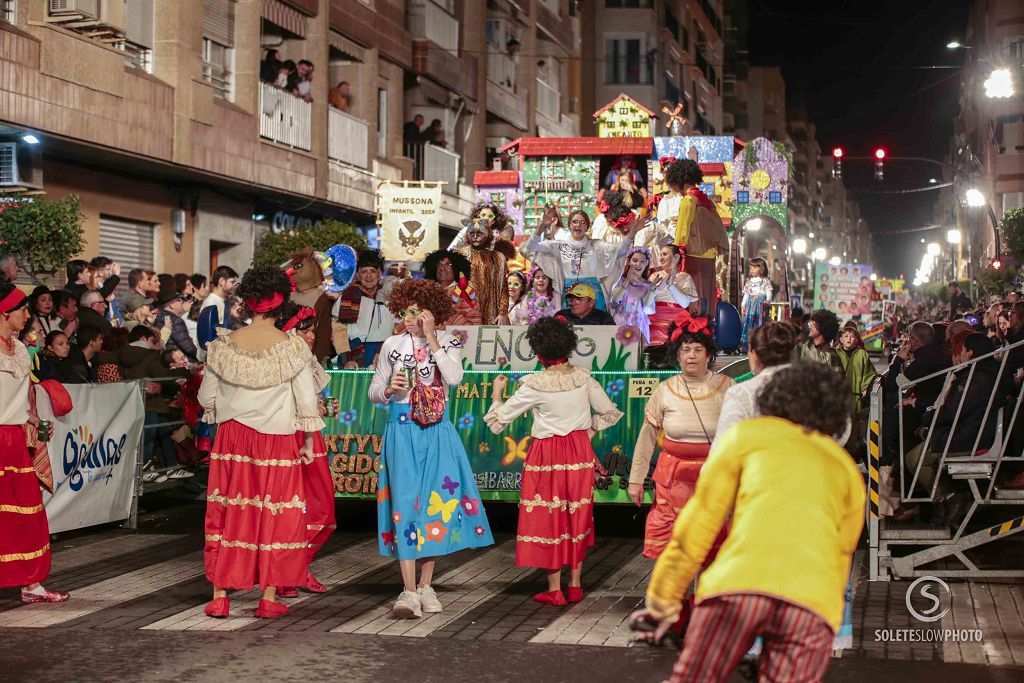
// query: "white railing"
[[218, 77], [440, 164], [285, 118], [549, 100], [348, 139], [428, 20], [501, 68]]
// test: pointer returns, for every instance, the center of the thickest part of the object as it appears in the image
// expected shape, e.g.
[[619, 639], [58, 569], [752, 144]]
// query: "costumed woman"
[[540, 301], [259, 388], [451, 270], [316, 475], [363, 310], [489, 272], [582, 258], [24, 532], [496, 219], [633, 294], [556, 503], [632, 198], [428, 504], [517, 285], [698, 229], [757, 291], [674, 291]]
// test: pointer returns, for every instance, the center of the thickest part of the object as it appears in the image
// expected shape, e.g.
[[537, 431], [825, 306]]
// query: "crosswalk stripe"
[[75, 556], [107, 593]]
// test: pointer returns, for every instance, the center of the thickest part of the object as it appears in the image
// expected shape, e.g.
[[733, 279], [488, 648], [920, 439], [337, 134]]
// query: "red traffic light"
[[837, 152], [879, 153], [996, 264]]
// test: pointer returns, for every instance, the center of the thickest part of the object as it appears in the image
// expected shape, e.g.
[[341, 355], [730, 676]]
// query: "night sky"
[[852, 65]]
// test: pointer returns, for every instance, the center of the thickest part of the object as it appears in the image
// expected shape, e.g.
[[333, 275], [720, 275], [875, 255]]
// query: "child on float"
[[540, 301], [518, 286], [674, 291], [757, 291], [556, 504], [632, 296], [428, 504]]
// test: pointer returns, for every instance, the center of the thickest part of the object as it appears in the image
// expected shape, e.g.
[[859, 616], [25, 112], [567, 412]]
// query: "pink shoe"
[[313, 585], [551, 598], [288, 592], [218, 608], [270, 610], [574, 594], [46, 596]]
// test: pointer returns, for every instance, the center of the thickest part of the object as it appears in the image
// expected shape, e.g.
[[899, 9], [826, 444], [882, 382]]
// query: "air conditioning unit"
[[87, 8], [8, 164]]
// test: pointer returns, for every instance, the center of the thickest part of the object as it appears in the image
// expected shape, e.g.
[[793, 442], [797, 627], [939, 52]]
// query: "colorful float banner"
[[407, 214], [504, 347], [93, 454], [844, 289]]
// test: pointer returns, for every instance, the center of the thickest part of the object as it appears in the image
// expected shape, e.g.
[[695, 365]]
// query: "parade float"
[[746, 181]]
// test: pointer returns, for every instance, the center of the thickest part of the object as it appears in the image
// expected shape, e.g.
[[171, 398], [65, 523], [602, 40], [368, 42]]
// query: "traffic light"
[[996, 264], [837, 163], [879, 164]]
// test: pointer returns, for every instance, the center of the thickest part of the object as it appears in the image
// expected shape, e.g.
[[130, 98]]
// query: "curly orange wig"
[[427, 294]]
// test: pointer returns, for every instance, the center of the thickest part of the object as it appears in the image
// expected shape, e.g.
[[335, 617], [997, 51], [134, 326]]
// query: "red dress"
[[319, 486]]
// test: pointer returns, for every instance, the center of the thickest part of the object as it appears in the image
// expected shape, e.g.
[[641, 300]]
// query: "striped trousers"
[[797, 644]]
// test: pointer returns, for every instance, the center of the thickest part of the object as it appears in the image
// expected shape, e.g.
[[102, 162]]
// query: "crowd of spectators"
[[295, 77]]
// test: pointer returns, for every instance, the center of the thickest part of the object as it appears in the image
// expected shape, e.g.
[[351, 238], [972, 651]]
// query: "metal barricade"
[[978, 468]]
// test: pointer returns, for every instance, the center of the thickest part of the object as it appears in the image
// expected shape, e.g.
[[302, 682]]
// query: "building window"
[[9, 11], [742, 197], [774, 197], [130, 243], [217, 68], [138, 34], [126, 25], [1012, 200], [626, 61], [382, 123], [708, 189], [501, 62]]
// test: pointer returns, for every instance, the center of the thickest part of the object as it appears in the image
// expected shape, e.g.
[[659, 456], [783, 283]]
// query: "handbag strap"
[[694, 404]]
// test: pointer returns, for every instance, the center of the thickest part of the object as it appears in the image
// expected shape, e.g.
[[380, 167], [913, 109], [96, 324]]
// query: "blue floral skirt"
[[428, 504], [753, 317]]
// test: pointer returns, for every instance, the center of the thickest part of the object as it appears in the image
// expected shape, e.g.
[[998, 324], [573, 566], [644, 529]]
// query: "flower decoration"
[[471, 505], [388, 537], [614, 387], [396, 517], [479, 531], [436, 531], [349, 416], [628, 335], [403, 418], [502, 360], [686, 322], [411, 534], [461, 336], [383, 493], [466, 421], [483, 447]]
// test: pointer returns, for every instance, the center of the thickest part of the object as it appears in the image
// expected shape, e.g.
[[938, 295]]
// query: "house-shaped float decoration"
[[503, 188], [624, 117]]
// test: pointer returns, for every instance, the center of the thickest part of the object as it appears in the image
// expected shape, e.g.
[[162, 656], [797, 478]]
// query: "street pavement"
[[137, 599]]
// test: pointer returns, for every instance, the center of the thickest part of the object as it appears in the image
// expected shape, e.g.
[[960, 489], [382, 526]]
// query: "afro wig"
[[370, 258], [427, 294], [551, 338], [811, 395], [263, 282], [683, 172], [460, 264]]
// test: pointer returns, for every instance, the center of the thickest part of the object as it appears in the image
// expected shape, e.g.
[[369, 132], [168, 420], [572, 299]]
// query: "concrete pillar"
[[474, 43]]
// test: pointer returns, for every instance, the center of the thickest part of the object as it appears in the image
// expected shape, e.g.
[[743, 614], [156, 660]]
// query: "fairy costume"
[[757, 291], [632, 301], [428, 504]]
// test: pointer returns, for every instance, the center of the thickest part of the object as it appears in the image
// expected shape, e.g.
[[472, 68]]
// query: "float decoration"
[[624, 117], [339, 267]]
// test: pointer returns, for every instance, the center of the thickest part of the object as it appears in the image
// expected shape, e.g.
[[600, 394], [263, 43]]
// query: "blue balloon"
[[340, 267], [728, 327]]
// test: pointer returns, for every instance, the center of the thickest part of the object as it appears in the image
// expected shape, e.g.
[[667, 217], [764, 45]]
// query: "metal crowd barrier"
[[979, 469]]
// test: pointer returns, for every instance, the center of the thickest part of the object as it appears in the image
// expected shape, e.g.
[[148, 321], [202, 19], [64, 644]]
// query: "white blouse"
[[407, 351], [562, 403], [14, 381], [271, 391]]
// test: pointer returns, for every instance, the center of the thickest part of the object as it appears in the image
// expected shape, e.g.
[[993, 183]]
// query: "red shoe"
[[270, 610], [551, 598], [46, 596], [574, 594], [314, 586], [218, 608], [287, 592]]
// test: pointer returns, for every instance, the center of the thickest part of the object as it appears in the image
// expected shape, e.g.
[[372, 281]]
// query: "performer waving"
[[428, 504], [556, 504]]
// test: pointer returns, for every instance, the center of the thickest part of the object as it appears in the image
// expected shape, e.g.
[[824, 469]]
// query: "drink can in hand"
[[44, 430]]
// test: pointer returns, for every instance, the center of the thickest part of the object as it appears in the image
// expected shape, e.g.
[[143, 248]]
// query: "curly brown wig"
[[505, 248], [500, 217], [262, 282], [427, 294], [552, 339], [811, 395], [683, 172], [460, 264]]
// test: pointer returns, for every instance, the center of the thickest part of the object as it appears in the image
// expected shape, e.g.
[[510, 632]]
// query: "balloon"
[[339, 266], [728, 328]]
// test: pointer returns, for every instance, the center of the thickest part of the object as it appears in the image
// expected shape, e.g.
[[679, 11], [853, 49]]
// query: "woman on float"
[[452, 271], [316, 474], [24, 532], [259, 387], [556, 504], [428, 504], [757, 291], [632, 296], [674, 291], [517, 286]]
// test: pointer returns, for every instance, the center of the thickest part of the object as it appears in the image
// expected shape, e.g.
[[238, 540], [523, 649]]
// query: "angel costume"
[[589, 261]]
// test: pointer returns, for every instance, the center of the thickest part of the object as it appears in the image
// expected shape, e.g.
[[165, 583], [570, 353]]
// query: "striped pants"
[[797, 645]]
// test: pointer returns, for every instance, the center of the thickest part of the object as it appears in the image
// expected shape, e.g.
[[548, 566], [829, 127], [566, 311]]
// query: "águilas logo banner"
[[88, 459]]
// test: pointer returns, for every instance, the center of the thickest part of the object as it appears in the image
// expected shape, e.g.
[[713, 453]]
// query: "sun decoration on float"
[[760, 179]]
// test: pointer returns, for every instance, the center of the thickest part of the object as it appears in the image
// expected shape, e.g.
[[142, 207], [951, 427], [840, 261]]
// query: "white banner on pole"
[[409, 220], [93, 454]]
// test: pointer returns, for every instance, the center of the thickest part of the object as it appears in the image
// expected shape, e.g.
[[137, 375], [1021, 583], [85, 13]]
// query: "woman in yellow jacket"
[[796, 501]]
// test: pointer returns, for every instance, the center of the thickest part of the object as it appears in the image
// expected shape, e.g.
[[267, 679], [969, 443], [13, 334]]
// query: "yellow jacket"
[[797, 505], [684, 223]]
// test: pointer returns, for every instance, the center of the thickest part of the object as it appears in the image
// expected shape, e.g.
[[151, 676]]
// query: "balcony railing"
[[501, 68], [549, 100], [427, 20], [431, 162], [348, 139], [218, 77], [285, 118]]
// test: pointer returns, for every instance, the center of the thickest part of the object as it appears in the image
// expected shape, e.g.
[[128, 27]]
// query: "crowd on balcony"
[[293, 77]]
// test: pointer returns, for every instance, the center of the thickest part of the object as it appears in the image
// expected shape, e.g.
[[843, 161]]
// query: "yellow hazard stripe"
[[1006, 527], [873, 472]]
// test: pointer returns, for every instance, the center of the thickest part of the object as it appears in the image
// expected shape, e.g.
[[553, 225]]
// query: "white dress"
[[591, 261]]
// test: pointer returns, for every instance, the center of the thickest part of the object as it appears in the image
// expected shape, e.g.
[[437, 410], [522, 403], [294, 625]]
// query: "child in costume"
[[556, 504], [540, 301], [632, 296], [757, 291], [517, 290]]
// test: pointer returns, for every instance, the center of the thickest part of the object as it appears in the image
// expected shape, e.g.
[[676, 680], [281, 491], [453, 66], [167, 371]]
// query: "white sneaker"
[[150, 476], [428, 600], [407, 606], [180, 474]]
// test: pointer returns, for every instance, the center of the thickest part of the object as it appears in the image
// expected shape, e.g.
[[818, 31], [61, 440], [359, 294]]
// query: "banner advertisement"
[[844, 289], [408, 217], [93, 454], [494, 347]]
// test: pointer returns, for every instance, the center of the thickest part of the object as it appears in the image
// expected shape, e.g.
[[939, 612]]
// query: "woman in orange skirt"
[[24, 532], [556, 502], [259, 387], [674, 291]]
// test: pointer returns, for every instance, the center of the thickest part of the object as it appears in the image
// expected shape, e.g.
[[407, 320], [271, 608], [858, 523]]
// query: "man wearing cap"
[[583, 309], [172, 304]]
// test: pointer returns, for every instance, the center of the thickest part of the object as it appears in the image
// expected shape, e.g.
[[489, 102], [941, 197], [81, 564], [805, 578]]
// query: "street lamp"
[[873, 277], [999, 84], [953, 44], [819, 254], [975, 198], [753, 225], [953, 236], [835, 261], [934, 249], [799, 246]]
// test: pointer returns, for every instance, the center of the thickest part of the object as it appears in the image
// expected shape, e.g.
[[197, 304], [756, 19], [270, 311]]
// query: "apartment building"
[[168, 119], [659, 52]]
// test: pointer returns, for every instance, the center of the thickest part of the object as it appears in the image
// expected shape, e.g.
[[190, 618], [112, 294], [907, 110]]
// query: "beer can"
[[44, 430]]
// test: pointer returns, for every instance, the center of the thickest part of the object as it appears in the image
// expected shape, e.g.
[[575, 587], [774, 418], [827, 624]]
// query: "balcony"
[[455, 73], [501, 69], [433, 163], [285, 118], [549, 101], [348, 139], [429, 21], [556, 25], [504, 104]]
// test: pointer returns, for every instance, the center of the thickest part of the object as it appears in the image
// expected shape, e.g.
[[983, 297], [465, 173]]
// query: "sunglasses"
[[409, 312]]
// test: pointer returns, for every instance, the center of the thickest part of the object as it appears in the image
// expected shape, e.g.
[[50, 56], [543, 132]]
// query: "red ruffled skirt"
[[319, 485], [24, 532], [255, 510], [661, 319], [556, 503]]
